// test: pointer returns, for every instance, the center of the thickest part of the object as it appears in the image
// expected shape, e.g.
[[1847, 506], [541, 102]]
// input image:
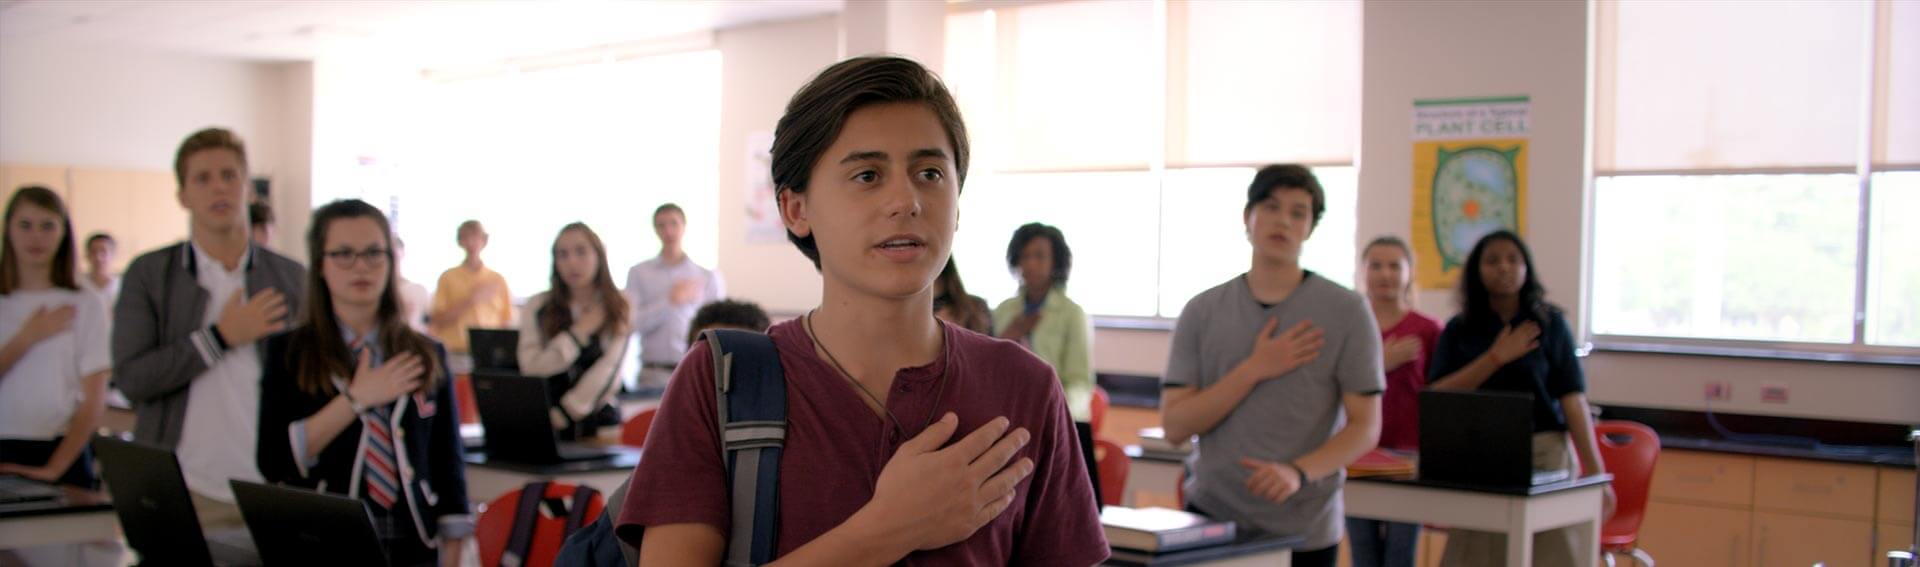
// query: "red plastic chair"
[[463, 395], [496, 525], [1098, 413], [1629, 450], [1114, 464], [633, 433]]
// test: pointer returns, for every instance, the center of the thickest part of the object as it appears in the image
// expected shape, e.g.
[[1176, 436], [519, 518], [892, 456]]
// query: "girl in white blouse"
[[577, 335]]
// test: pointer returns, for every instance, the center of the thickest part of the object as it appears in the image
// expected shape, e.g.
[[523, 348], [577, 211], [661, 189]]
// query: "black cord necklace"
[[946, 364]]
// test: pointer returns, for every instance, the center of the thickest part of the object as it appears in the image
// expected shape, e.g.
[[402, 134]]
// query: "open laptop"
[[1483, 438], [17, 489], [513, 415], [494, 349], [156, 513], [295, 526]]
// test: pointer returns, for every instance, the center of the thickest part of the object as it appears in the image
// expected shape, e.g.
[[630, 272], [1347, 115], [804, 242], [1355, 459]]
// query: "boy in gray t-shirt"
[[1279, 372]]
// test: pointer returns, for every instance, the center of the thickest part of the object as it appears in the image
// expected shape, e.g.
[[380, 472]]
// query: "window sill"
[[1753, 352], [1118, 323]]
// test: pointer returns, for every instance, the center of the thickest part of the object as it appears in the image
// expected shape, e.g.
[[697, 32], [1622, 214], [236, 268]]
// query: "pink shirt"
[[1400, 407], [836, 447]]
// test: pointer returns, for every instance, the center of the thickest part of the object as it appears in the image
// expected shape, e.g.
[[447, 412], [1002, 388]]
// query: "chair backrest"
[[1113, 463], [1098, 413], [633, 433], [1629, 450], [495, 527], [463, 395]]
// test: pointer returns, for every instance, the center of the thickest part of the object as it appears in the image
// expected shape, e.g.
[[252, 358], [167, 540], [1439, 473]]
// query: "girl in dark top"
[[355, 402], [577, 335], [1507, 338]]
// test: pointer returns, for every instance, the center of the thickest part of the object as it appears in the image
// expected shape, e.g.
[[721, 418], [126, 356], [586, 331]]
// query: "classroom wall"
[[120, 109], [761, 67], [1417, 50]]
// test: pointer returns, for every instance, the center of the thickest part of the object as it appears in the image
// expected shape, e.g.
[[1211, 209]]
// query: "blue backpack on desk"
[[751, 390]]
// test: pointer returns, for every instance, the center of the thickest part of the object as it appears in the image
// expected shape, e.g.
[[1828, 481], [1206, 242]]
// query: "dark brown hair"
[[556, 316], [63, 273], [1286, 176], [319, 352], [817, 112], [208, 139]]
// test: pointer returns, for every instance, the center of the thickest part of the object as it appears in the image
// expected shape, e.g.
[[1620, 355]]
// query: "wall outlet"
[[1718, 391], [1773, 393]]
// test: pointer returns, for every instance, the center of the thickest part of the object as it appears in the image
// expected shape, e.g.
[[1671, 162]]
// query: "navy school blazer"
[[427, 442]]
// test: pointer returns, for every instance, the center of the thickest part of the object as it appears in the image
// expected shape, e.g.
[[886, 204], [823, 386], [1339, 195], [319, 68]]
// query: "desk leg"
[[1519, 535], [1590, 542]]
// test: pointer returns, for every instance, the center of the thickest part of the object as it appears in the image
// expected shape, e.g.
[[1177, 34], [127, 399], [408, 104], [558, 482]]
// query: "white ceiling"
[[431, 32]]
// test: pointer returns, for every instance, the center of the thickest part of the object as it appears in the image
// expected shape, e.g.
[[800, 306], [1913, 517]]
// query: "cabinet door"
[[1896, 496], [1820, 489], [1696, 535], [1892, 537], [1710, 478], [1782, 540]]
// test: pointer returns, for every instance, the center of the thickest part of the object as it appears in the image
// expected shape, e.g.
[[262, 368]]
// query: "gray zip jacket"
[[161, 342]]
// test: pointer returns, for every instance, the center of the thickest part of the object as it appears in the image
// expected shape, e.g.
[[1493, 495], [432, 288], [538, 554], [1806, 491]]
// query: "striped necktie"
[[383, 484]]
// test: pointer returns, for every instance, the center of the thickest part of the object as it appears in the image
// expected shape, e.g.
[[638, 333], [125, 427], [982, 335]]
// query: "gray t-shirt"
[[1283, 418]]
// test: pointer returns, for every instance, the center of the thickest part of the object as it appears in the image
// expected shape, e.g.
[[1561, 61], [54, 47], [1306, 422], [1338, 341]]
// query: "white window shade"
[[1732, 85], [1263, 82], [1080, 86], [1898, 135]]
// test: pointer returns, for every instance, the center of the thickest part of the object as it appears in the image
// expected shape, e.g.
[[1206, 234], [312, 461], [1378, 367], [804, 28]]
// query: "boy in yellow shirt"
[[469, 295]]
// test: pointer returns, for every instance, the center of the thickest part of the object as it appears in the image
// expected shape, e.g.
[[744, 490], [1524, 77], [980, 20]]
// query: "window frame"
[[1875, 48], [1171, 28]]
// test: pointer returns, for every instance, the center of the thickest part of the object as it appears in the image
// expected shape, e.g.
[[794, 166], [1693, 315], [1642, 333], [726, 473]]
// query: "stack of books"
[[1154, 444], [1382, 462], [1160, 530]]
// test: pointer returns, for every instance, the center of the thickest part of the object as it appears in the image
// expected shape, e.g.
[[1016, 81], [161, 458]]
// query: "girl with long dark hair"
[[577, 335]]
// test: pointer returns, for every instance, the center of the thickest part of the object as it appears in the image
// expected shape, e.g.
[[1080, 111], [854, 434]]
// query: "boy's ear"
[[793, 213]]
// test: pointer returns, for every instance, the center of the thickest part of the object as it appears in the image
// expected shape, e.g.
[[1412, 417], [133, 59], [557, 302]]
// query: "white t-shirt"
[[107, 293], [38, 395], [414, 301], [223, 404]]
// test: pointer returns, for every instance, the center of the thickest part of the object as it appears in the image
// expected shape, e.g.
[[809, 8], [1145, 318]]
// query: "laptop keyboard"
[[14, 489]]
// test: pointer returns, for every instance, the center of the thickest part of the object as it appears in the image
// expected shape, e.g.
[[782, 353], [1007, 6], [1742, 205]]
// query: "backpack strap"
[[577, 517], [526, 515], [752, 397]]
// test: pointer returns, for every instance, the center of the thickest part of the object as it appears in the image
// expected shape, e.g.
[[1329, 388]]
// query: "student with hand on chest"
[[53, 363], [577, 335], [355, 402]]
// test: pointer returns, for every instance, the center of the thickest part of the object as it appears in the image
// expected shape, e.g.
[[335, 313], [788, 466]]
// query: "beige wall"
[[123, 112], [761, 67]]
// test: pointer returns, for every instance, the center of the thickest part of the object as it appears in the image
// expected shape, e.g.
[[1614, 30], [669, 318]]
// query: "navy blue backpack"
[[752, 394]]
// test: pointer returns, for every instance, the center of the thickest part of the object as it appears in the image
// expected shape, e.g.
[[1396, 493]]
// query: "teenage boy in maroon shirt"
[[909, 440]]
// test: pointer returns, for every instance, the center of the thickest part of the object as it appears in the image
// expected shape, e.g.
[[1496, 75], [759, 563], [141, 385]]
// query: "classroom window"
[[1748, 189], [598, 143], [1135, 127]]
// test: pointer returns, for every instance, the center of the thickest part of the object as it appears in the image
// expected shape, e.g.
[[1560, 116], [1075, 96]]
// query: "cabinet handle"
[[1812, 488], [1699, 478], [1760, 558]]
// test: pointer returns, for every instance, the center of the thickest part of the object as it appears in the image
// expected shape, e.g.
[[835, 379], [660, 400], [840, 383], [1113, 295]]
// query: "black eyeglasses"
[[345, 258]]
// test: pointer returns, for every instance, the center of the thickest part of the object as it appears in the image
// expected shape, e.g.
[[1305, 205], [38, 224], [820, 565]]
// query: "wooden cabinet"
[[1684, 476], [1896, 497], [1821, 489], [1798, 541], [1890, 537], [1696, 535]]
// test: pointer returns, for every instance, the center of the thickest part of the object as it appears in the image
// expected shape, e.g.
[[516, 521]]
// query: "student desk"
[[1518, 512], [487, 480], [76, 516], [1157, 473], [1249, 549]]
